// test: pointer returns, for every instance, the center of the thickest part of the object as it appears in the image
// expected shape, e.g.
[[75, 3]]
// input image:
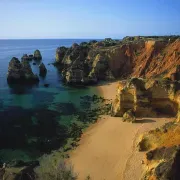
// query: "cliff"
[[131, 57]]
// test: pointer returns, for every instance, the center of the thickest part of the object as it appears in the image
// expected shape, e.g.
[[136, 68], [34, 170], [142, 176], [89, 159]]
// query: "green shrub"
[[75, 130], [51, 170]]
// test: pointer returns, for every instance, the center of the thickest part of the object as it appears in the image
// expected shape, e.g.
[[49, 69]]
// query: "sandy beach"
[[107, 150]]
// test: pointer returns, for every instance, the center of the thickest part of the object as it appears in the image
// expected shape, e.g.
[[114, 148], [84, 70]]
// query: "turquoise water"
[[34, 120]]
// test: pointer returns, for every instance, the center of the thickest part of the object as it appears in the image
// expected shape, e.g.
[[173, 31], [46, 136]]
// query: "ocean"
[[33, 119]]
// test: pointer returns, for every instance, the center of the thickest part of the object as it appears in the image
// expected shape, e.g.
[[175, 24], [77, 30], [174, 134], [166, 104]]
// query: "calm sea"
[[28, 115]]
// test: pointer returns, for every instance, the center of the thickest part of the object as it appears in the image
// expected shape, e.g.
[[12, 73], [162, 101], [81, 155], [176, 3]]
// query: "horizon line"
[[86, 38]]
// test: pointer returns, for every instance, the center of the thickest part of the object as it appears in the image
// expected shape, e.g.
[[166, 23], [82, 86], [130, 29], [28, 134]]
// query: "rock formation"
[[26, 57], [132, 57], [37, 55], [19, 171], [132, 96], [76, 69], [129, 116], [20, 72], [163, 163], [162, 159], [147, 98], [42, 69], [60, 53]]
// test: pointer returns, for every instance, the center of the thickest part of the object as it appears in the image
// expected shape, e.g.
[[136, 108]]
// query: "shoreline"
[[107, 149]]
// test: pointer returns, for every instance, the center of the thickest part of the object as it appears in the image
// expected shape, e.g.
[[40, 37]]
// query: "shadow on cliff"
[[144, 121]]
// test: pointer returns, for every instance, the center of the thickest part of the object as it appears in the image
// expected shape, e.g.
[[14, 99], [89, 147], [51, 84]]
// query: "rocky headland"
[[139, 56], [150, 73]]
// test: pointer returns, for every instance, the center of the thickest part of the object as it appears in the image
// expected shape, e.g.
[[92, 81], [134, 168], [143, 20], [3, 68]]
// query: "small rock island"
[[21, 72]]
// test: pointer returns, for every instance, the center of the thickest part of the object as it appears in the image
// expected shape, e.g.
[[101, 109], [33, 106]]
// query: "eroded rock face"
[[76, 69], [167, 135], [60, 53], [37, 55], [159, 98], [42, 69], [100, 66], [163, 164], [134, 56], [133, 96], [20, 72]]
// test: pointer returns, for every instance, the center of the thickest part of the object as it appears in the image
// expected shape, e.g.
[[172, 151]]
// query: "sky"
[[33, 19]]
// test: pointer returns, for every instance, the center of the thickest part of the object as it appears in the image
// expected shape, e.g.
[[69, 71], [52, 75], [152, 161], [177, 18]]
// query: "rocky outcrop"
[[28, 58], [163, 163], [60, 53], [37, 55], [148, 98], [76, 68], [162, 99], [132, 57], [20, 72], [167, 135], [129, 116], [84, 63], [19, 170], [42, 69], [132, 96]]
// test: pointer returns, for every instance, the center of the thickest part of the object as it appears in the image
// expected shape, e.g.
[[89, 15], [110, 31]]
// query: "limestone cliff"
[[21, 72], [162, 164], [130, 57], [153, 97]]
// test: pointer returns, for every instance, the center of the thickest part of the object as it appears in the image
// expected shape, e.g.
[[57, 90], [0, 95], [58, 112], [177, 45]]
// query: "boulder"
[[20, 72], [37, 55], [46, 85], [42, 69], [129, 116]]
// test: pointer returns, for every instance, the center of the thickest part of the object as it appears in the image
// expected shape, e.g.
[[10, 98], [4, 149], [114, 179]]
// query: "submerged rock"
[[42, 69], [37, 55], [20, 72], [46, 85]]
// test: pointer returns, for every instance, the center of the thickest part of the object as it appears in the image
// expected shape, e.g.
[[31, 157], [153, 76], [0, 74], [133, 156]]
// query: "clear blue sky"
[[88, 18]]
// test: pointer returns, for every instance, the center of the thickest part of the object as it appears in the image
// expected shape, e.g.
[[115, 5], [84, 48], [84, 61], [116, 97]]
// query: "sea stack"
[[20, 72], [26, 57], [42, 69], [37, 55]]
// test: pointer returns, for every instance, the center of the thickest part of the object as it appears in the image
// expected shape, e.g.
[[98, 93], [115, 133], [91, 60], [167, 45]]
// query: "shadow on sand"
[[145, 121]]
